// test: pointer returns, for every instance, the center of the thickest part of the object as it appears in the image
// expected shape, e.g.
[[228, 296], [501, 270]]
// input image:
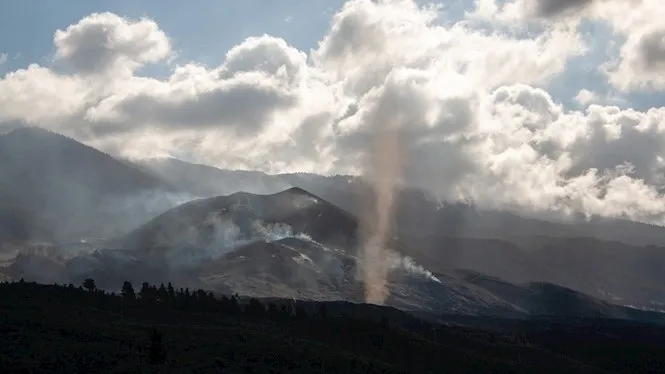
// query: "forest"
[[164, 329]]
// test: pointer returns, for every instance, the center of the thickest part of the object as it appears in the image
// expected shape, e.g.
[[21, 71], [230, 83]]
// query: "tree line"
[[166, 306], [162, 326], [166, 296]]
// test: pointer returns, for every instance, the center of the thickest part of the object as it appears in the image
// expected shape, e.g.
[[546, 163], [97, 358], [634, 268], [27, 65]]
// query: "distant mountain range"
[[614, 259], [68, 211], [53, 188], [295, 245], [417, 213]]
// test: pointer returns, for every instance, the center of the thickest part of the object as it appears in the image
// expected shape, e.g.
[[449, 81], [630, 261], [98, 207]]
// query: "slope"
[[66, 329], [224, 220], [418, 214], [55, 188]]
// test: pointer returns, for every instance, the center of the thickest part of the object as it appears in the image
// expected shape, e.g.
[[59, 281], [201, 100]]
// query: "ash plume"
[[382, 173]]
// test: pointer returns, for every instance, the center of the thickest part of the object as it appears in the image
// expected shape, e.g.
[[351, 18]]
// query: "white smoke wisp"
[[396, 261], [272, 231], [279, 231], [304, 201], [413, 268], [143, 206], [226, 235]]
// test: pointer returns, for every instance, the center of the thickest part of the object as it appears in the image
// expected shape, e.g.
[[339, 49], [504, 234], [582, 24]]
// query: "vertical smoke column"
[[382, 172]]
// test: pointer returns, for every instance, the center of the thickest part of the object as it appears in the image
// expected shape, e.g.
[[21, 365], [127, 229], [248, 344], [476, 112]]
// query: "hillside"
[[418, 214], [297, 242], [206, 181], [221, 220], [63, 329], [292, 245], [206, 229], [608, 258], [614, 271], [294, 266], [56, 189]]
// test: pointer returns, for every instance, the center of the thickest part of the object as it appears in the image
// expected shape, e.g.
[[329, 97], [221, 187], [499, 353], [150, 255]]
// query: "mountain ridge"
[[454, 218], [311, 225], [62, 190]]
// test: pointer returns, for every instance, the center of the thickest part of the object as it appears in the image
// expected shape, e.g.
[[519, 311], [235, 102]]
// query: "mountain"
[[611, 270], [54, 188], [417, 213], [207, 181], [613, 259], [301, 242], [299, 268], [221, 220], [293, 244]]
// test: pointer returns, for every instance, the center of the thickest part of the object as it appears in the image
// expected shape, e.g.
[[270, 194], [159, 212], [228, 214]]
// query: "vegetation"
[[161, 329]]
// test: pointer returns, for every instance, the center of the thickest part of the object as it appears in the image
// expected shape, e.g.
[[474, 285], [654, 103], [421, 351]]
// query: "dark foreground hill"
[[54, 188], [58, 329]]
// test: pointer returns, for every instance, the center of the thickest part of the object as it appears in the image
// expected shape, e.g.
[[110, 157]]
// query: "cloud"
[[368, 40], [267, 54], [641, 62], [244, 102], [585, 97], [3, 58], [549, 8], [105, 42], [471, 96], [635, 23], [545, 157], [540, 10], [38, 95]]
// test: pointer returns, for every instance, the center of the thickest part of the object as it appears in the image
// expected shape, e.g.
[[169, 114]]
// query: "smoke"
[[412, 268], [121, 214], [396, 261], [272, 231], [225, 236], [383, 172]]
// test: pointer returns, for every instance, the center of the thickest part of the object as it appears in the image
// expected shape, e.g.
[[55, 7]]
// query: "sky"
[[534, 105]]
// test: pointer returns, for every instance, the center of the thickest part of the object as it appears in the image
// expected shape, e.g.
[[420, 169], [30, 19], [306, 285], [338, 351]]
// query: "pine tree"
[[273, 311], [128, 291], [254, 308], [162, 294], [89, 284], [171, 291], [146, 293]]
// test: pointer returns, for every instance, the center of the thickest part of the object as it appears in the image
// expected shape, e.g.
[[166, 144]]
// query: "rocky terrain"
[[303, 242], [291, 245]]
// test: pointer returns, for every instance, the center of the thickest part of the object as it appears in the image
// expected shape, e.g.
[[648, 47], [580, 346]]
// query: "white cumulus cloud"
[[470, 96]]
